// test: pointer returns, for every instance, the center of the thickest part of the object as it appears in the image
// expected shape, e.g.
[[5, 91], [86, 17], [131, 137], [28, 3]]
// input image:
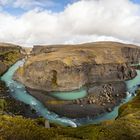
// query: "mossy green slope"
[[8, 58], [125, 127]]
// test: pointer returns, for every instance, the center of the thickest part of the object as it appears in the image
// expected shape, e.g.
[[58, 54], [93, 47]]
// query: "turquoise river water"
[[76, 94], [19, 92]]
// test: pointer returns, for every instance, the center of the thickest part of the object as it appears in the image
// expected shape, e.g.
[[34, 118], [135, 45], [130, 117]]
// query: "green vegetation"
[[9, 105], [7, 59], [125, 127], [2, 105], [3, 102], [130, 107], [10, 57]]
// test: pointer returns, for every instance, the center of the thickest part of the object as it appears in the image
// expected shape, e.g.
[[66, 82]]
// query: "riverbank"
[[10, 54], [125, 127], [101, 98], [11, 106]]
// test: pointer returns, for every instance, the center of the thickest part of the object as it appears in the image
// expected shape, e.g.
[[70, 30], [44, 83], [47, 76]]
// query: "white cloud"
[[28, 4], [83, 21], [3, 2]]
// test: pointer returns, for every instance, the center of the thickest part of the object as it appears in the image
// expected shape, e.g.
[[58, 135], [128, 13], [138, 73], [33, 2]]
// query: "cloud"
[[3, 2], [28, 4], [82, 21]]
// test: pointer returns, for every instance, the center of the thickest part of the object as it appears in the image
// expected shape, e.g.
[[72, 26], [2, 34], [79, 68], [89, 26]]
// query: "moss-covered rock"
[[7, 59], [9, 54]]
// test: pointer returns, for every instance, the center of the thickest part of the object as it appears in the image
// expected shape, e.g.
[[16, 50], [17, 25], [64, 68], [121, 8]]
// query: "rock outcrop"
[[70, 67], [9, 54], [101, 68]]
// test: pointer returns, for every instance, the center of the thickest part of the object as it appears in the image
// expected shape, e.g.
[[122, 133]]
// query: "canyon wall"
[[70, 67], [9, 54]]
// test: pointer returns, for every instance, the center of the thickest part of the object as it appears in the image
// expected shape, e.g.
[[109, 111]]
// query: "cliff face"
[[9, 54], [66, 68]]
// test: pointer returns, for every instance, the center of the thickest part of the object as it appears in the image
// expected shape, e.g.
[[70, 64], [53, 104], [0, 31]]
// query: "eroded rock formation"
[[100, 67], [66, 68]]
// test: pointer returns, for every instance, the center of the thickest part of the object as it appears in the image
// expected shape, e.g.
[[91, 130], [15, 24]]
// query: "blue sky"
[[136, 1], [22, 6]]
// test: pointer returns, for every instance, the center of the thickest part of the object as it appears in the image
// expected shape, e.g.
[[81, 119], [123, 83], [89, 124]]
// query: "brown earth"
[[101, 67], [71, 67], [101, 98]]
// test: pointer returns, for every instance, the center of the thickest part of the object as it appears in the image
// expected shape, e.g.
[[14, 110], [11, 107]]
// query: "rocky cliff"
[[70, 67], [100, 68], [9, 54]]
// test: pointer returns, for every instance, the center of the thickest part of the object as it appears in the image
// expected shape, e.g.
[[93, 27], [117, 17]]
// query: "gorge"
[[78, 81], [102, 76]]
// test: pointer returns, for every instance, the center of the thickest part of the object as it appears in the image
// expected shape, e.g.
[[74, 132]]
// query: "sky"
[[32, 22]]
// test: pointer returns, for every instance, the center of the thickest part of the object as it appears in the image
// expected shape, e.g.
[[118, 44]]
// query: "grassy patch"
[[7, 59], [125, 127]]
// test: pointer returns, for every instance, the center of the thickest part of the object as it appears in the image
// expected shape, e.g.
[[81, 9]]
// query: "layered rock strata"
[[72, 67], [100, 67]]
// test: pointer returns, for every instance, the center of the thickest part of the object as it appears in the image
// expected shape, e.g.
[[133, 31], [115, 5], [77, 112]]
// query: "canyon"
[[69, 68], [102, 92], [99, 69]]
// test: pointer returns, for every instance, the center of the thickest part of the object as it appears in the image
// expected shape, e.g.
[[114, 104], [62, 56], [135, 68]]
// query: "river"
[[18, 91]]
